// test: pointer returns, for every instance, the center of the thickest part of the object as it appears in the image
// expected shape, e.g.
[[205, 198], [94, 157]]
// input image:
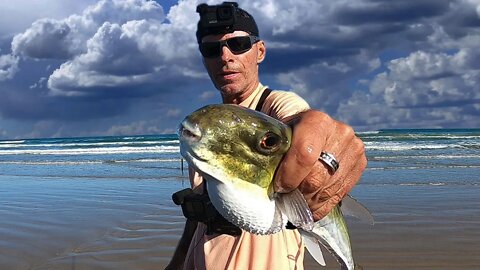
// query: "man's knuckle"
[[346, 130], [360, 145], [304, 156]]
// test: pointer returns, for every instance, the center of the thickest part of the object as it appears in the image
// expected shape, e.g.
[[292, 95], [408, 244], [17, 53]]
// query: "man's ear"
[[262, 51]]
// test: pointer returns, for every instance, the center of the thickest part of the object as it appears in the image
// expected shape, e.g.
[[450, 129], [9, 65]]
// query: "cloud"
[[114, 44], [325, 83], [135, 128], [209, 94], [174, 112], [428, 79], [437, 88], [367, 12], [3, 134], [8, 66], [65, 38], [46, 38], [379, 63], [20, 14], [373, 64]]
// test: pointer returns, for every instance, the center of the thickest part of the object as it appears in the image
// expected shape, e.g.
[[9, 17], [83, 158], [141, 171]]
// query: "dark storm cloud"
[[21, 103], [348, 29], [461, 20], [447, 103], [438, 71], [283, 60], [387, 11]]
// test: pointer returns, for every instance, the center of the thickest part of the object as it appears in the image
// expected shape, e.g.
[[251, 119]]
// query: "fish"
[[237, 151]]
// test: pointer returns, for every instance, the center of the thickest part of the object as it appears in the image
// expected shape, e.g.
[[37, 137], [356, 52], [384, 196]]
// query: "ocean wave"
[[425, 184], [471, 146], [443, 156], [93, 151], [393, 146], [8, 145], [11, 142], [417, 137], [16, 141], [81, 162], [86, 144], [373, 132], [426, 166]]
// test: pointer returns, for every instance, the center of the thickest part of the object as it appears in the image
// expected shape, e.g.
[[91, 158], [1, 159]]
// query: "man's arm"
[[178, 258], [314, 132]]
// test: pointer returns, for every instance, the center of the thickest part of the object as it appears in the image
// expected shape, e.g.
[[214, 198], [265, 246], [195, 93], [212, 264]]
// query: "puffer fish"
[[237, 151]]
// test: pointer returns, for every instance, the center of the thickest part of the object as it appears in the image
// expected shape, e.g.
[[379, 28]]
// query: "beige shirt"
[[283, 250]]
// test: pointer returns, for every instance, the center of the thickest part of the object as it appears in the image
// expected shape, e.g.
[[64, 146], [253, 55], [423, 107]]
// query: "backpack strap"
[[264, 96]]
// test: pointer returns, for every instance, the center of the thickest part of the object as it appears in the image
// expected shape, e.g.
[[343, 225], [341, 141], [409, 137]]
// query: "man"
[[324, 162]]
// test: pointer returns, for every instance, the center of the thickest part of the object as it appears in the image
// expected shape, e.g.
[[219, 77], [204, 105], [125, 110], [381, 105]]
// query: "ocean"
[[105, 202]]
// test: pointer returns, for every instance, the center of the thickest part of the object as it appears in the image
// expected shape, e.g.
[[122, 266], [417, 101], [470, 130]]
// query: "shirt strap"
[[264, 96]]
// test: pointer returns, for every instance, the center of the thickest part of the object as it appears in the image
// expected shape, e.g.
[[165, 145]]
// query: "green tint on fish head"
[[234, 144]]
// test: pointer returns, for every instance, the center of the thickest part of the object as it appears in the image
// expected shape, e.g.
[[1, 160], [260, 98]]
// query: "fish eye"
[[270, 142]]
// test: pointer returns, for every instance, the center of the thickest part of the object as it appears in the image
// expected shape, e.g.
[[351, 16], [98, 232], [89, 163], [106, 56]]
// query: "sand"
[[85, 223]]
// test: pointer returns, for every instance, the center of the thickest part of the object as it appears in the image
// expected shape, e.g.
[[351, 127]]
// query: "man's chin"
[[228, 89]]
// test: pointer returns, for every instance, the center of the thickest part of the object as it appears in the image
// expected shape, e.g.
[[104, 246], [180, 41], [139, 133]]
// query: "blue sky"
[[127, 67]]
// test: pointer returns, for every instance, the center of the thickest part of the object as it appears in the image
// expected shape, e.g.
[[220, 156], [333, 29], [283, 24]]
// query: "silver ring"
[[329, 160]]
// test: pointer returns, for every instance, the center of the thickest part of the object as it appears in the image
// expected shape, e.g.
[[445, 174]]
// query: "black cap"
[[241, 21]]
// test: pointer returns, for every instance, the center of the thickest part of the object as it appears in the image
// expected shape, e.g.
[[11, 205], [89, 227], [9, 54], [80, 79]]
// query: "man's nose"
[[227, 54]]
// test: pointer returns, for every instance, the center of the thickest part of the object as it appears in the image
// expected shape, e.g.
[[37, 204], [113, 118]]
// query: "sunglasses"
[[237, 45]]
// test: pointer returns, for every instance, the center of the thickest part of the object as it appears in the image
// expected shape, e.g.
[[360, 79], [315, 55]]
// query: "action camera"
[[218, 16]]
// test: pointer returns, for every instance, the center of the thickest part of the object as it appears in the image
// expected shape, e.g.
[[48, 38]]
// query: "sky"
[[132, 67]]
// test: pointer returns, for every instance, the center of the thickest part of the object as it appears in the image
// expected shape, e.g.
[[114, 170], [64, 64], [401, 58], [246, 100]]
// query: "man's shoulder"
[[285, 93], [287, 97], [281, 104]]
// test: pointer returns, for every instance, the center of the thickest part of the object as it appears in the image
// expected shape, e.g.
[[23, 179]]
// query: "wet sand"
[[95, 223]]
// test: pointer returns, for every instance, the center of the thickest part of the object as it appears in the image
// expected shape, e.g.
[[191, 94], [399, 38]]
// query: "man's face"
[[235, 75]]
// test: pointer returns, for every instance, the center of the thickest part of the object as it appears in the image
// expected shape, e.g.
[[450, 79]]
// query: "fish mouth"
[[189, 135], [189, 132]]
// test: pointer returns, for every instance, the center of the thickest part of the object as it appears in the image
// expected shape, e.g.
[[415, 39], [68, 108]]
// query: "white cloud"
[[8, 66], [46, 38], [174, 112], [141, 127], [115, 43], [425, 79], [208, 95], [134, 53], [3, 134], [66, 38], [422, 89], [18, 15]]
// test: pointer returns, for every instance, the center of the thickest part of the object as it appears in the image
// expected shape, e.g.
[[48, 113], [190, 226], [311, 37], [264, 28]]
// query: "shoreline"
[[55, 223]]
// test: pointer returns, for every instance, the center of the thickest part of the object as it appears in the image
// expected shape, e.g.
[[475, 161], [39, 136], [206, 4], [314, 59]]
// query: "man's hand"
[[314, 132]]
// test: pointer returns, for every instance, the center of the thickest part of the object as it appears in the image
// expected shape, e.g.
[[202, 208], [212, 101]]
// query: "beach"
[[105, 203]]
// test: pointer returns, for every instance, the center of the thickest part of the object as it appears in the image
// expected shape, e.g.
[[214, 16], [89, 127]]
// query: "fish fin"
[[358, 267], [351, 207], [313, 247], [294, 206]]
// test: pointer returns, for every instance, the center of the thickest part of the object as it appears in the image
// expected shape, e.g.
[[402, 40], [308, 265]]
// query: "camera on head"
[[217, 16]]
